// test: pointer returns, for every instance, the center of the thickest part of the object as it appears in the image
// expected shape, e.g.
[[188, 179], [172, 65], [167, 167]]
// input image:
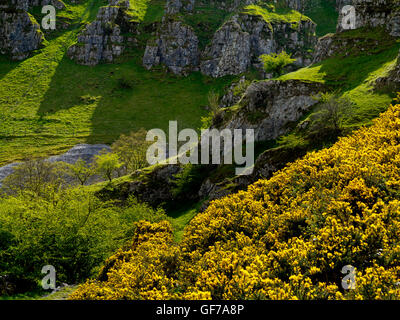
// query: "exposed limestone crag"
[[375, 13], [176, 6], [102, 40], [271, 107], [19, 32], [176, 46], [235, 46], [240, 41]]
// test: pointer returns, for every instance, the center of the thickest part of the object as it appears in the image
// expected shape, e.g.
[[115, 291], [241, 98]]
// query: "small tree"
[[131, 150], [80, 171], [36, 176], [329, 120], [106, 164], [275, 63]]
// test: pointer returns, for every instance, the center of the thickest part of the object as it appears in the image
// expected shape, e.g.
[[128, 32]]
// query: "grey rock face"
[[229, 53], [176, 46], [234, 93], [19, 31], [26, 4], [19, 34], [241, 40], [100, 41], [176, 6], [15, 4], [270, 107]]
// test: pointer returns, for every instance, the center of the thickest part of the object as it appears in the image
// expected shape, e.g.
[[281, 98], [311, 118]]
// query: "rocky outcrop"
[[56, 3], [176, 46], [176, 6], [26, 4], [235, 46], [229, 53], [234, 93], [271, 107], [154, 187], [375, 13], [384, 15], [338, 44], [19, 34], [238, 44], [14, 4], [102, 40]]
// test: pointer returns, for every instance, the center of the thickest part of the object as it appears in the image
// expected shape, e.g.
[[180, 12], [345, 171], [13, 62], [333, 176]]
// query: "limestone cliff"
[[234, 47], [19, 32]]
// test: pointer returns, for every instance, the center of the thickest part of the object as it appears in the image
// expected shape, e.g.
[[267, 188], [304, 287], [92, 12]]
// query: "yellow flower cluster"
[[285, 238]]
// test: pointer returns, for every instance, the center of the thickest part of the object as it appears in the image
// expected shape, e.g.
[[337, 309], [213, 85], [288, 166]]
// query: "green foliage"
[[188, 181], [36, 176], [276, 63], [324, 14], [331, 115], [131, 150], [353, 76], [272, 14], [71, 230], [80, 171]]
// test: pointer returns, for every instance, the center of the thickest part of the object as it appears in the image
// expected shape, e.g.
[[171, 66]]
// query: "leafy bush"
[[189, 180], [72, 230], [131, 150], [37, 176], [80, 171], [329, 121], [276, 63], [107, 164]]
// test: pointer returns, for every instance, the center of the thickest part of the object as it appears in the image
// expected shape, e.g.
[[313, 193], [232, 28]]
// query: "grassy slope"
[[324, 14], [42, 111]]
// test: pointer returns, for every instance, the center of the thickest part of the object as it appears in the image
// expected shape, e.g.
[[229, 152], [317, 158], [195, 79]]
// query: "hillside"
[[285, 238], [75, 185]]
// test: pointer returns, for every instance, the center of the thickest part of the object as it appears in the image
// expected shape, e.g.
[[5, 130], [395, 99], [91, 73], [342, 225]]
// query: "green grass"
[[181, 217], [62, 294], [324, 14], [276, 15], [138, 9], [43, 112]]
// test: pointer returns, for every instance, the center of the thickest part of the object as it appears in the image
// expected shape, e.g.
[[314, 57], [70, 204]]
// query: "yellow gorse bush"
[[284, 238]]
